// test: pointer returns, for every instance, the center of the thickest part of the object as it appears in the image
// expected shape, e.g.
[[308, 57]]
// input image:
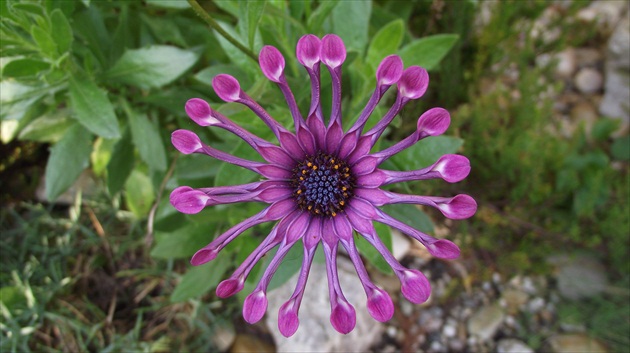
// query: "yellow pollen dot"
[[336, 166], [334, 214], [314, 167], [301, 178], [309, 164], [332, 160], [344, 188], [304, 172], [310, 207], [342, 203], [299, 192]]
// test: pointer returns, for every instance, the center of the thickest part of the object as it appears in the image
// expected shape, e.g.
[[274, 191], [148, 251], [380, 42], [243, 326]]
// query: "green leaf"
[[16, 98], [410, 215], [93, 109], [320, 14], [139, 194], [61, 31], [184, 242], [237, 57], [206, 75], [251, 14], [147, 139], [370, 253], [426, 152], [24, 67], [44, 41], [230, 174], [351, 20], [621, 148], [48, 128], [169, 4], [289, 266], [428, 51], [68, 158], [200, 279], [152, 67], [120, 164], [385, 42]]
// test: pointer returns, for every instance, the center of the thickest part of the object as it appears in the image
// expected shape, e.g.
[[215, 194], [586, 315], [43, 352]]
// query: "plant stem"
[[215, 25]]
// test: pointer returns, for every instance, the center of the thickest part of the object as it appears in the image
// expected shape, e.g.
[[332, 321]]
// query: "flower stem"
[[215, 25]]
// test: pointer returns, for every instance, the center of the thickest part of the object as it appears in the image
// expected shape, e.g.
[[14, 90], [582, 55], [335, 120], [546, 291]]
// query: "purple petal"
[[389, 70], [415, 286], [230, 287], [372, 180], [434, 122], [333, 51], [376, 197], [365, 165], [333, 136], [363, 147], [414, 82], [343, 317], [380, 305], [307, 140], [271, 63], [276, 155], [226, 87], [273, 172], [203, 255], [200, 112], [347, 144], [185, 141], [299, 226], [452, 167], [444, 249], [318, 129], [291, 145], [459, 207], [275, 194], [363, 208], [188, 200], [342, 227], [254, 307], [307, 50], [288, 320], [313, 234], [280, 209]]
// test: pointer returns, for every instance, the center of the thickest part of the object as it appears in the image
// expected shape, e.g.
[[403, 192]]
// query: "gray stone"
[[588, 80], [400, 245], [315, 333], [511, 345], [484, 323], [616, 102], [579, 276], [567, 63]]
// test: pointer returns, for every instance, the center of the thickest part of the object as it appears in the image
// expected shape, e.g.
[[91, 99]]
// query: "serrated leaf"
[[427, 52], [16, 98], [120, 164], [139, 194], [68, 158], [93, 109], [385, 42], [426, 152], [61, 31], [152, 67], [183, 242], [147, 139], [200, 279], [24, 68], [351, 20]]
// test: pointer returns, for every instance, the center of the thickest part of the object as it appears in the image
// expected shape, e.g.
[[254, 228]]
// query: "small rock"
[[588, 80], [400, 245], [484, 323], [535, 305], [615, 102], [223, 338], [450, 329], [575, 343], [584, 113], [514, 300], [579, 276], [250, 344], [567, 63], [512, 345]]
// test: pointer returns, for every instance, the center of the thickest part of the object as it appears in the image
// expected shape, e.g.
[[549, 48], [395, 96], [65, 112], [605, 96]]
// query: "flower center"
[[323, 184]]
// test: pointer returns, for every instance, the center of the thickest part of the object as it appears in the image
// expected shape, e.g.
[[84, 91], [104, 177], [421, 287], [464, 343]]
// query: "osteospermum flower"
[[322, 184]]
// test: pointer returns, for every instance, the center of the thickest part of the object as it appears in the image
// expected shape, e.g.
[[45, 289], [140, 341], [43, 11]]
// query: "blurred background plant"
[[95, 259]]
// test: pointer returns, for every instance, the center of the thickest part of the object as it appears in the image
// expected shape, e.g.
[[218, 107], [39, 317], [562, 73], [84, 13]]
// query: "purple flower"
[[323, 184]]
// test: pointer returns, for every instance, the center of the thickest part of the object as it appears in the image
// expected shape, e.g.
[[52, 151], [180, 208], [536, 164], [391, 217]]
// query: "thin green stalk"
[[214, 25]]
